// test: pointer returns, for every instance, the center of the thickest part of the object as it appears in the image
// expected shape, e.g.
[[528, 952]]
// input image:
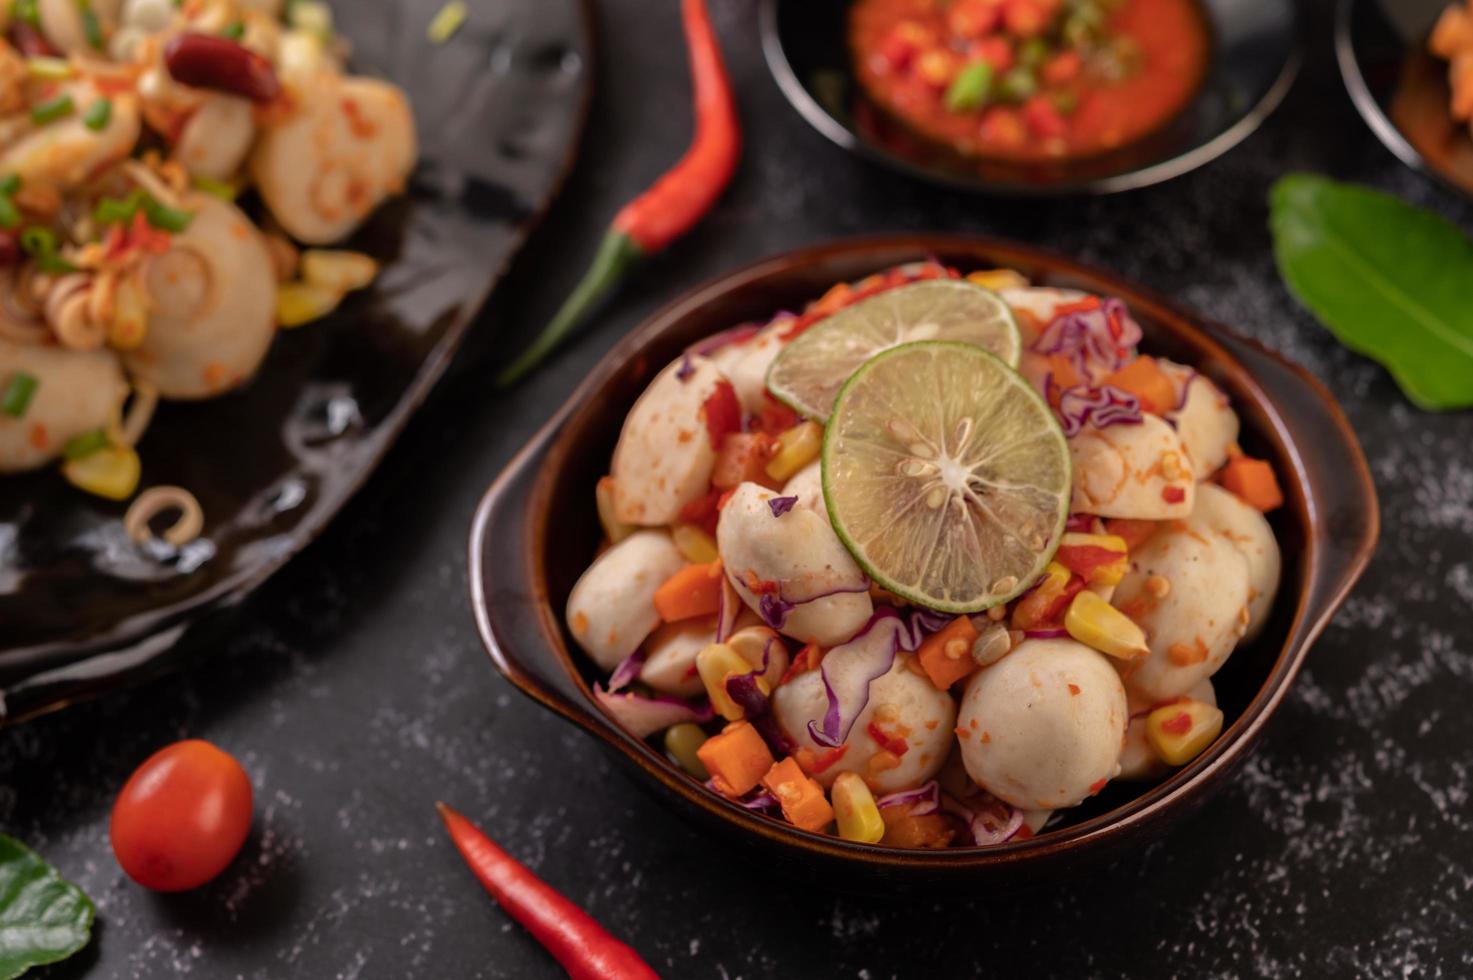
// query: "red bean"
[[209, 61]]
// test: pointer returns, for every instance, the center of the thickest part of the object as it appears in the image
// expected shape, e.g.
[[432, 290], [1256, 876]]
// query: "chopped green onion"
[[1017, 85], [9, 213], [98, 114], [91, 27], [165, 218], [222, 189], [38, 241], [19, 391], [85, 444], [117, 210], [1033, 52], [235, 31], [49, 69], [970, 88], [448, 21], [52, 110], [9, 184]]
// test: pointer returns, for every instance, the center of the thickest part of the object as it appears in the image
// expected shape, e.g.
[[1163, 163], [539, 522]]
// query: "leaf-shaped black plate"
[[500, 108]]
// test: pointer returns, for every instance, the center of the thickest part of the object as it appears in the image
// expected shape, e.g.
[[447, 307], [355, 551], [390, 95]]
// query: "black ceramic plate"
[[499, 109], [1256, 54], [1400, 89]]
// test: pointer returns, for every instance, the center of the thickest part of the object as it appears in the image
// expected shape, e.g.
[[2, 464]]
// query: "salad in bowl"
[[928, 562]]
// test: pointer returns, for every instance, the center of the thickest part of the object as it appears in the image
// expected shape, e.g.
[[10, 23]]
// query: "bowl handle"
[[508, 606], [1340, 494]]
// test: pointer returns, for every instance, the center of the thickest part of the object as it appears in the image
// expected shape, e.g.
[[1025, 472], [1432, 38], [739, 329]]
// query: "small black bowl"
[[1255, 56], [1400, 89]]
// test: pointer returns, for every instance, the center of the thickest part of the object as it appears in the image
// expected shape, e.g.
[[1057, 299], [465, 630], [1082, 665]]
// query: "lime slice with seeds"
[[809, 372], [946, 475]]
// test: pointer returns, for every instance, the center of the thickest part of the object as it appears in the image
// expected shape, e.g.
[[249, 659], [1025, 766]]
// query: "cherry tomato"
[[181, 817]]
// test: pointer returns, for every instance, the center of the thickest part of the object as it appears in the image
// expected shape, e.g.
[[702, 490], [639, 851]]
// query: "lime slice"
[[811, 370], [946, 475]]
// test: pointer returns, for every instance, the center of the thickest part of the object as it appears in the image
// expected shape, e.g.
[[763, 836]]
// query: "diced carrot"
[[1043, 118], [1064, 372], [1025, 18], [743, 458], [800, 797], [903, 829], [693, 591], [946, 655], [1253, 480], [1134, 532], [1003, 126], [996, 51], [1144, 379], [737, 758]]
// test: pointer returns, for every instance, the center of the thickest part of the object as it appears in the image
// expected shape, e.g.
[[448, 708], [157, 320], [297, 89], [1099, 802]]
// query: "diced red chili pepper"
[[971, 19], [1173, 495], [759, 586], [996, 51], [1178, 725], [1084, 559], [827, 759], [1025, 18], [722, 413], [1096, 786], [703, 511], [886, 741], [1062, 68], [1004, 127], [775, 418], [1084, 305]]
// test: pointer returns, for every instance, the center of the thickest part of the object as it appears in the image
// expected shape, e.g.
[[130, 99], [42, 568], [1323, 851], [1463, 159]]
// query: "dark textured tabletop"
[[356, 693]]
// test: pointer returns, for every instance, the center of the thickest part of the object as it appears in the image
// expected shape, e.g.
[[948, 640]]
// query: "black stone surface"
[[355, 692]]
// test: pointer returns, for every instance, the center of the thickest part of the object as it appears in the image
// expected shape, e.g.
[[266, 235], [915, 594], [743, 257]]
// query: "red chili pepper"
[[1084, 559], [1173, 495], [673, 203], [722, 412], [886, 741], [571, 935], [827, 760]]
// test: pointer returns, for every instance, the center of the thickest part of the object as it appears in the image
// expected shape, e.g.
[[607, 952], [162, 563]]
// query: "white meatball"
[[612, 606], [1224, 514], [1138, 760], [902, 703], [63, 26], [216, 138], [1042, 728], [807, 486], [1135, 471], [802, 557], [665, 455], [349, 144], [1193, 627], [750, 361], [670, 661], [214, 305], [76, 392], [67, 153], [1206, 422]]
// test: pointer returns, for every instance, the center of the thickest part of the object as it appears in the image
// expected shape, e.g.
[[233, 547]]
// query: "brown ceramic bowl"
[[537, 528]]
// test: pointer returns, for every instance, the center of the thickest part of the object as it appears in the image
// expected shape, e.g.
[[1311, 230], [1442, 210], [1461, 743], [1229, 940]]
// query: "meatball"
[[76, 392], [612, 606]]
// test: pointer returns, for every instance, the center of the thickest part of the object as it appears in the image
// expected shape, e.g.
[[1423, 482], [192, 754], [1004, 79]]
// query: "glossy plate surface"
[[1256, 55], [499, 110], [1400, 89], [537, 530]]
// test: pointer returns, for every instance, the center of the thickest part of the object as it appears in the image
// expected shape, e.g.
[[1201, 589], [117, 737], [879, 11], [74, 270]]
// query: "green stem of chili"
[[617, 254], [583, 947], [674, 203]]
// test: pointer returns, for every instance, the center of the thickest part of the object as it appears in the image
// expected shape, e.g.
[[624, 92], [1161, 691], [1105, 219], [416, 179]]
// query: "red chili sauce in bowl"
[[1030, 80]]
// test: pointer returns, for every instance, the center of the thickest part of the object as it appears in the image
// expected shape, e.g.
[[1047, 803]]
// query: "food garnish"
[[583, 947], [1388, 279], [671, 206], [43, 917], [809, 372]]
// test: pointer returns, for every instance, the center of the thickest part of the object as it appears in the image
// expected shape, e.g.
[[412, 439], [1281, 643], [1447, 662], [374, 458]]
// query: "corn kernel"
[[111, 472], [1095, 623], [603, 492], [1179, 732], [996, 279], [694, 545], [755, 642], [682, 742], [855, 810], [337, 270], [298, 303], [715, 664], [797, 447]]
